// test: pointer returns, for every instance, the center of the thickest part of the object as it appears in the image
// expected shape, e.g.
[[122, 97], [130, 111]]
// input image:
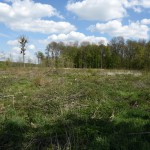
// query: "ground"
[[93, 109]]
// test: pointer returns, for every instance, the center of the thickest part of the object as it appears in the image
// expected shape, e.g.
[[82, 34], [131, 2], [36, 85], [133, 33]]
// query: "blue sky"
[[44, 21]]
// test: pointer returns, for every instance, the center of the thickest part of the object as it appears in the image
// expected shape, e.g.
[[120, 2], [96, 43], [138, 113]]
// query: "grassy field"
[[74, 109]]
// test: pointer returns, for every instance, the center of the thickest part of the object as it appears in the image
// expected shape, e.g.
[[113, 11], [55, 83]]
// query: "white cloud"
[[15, 54], [144, 3], [43, 26], [116, 28], [137, 9], [27, 15], [15, 45], [98, 9], [145, 21], [73, 37], [16, 50], [27, 9], [31, 47], [136, 5], [105, 10], [2, 56], [12, 42]]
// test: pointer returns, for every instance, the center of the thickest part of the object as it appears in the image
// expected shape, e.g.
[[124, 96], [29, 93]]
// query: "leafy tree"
[[117, 45], [147, 56], [40, 56], [47, 52], [129, 54], [53, 52]]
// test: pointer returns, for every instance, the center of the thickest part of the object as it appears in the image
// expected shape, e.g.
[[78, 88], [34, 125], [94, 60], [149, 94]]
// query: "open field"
[[74, 109]]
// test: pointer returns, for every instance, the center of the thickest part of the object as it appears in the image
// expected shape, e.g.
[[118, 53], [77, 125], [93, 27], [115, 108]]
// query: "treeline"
[[129, 54], [117, 54], [9, 63]]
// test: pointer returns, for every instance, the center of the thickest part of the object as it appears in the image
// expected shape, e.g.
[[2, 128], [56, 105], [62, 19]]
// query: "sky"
[[68, 21]]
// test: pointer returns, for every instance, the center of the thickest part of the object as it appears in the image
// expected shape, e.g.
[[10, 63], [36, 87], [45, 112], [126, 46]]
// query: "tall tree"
[[101, 45], [23, 41], [117, 45], [53, 52], [130, 52], [40, 56], [47, 52], [147, 56]]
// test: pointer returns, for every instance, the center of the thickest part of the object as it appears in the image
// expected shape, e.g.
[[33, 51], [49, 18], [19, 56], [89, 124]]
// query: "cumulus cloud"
[[43, 26], [12, 42], [137, 5], [15, 55], [98, 9], [14, 51], [31, 47], [116, 28], [145, 21], [28, 9], [2, 56], [73, 37], [143, 3], [15, 45], [27, 15], [137, 9], [105, 10]]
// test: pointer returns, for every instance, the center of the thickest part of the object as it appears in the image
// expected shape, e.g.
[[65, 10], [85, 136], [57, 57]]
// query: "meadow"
[[74, 109]]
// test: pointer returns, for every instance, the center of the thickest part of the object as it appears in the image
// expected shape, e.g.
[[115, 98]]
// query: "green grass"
[[74, 109]]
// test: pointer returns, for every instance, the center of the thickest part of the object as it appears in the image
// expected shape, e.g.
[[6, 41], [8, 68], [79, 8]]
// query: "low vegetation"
[[74, 109]]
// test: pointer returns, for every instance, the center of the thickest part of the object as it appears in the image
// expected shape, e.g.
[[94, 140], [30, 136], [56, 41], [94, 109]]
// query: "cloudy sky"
[[43, 21]]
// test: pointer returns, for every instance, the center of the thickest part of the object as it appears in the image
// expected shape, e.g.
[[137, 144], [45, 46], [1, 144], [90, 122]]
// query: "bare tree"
[[23, 41]]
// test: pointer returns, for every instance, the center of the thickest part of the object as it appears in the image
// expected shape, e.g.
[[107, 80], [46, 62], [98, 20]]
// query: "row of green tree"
[[119, 53]]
